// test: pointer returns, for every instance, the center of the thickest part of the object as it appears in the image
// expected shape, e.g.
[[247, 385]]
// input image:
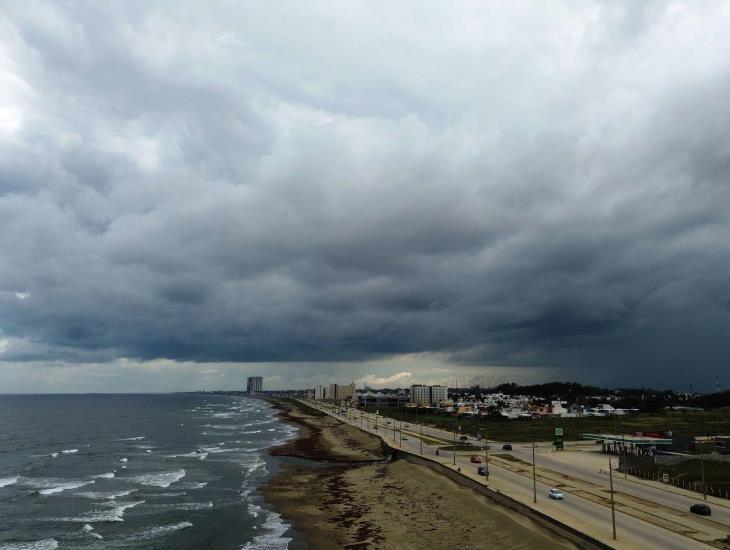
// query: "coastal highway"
[[648, 514]]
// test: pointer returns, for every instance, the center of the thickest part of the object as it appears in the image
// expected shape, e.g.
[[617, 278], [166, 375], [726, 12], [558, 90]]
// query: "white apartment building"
[[428, 395], [339, 392]]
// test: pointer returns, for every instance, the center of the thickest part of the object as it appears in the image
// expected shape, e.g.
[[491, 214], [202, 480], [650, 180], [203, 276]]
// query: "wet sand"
[[344, 496]]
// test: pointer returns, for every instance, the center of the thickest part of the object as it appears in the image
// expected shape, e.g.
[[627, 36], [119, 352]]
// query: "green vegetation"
[[511, 458], [470, 448], [502, 429], [687, 474]]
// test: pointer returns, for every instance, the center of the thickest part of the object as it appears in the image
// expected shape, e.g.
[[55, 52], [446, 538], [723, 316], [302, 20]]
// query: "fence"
[[720, 490]]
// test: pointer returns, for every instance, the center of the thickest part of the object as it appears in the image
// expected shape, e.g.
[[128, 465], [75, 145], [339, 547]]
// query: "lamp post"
[[421, 425], [702, 467], [613, 511], [486, 457], [454, 445], [534, 476]]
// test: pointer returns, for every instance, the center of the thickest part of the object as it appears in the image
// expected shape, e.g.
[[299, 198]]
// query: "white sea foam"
[[54, 455], [158, 531], [185, 506], [106, 495], [90, 531], [70, 451], [138, 438], [191, 485], [123, 460], [51, 486], [274, 538], [114, 513], [200, 455], [181, 494], [45, 544], [5, 481], [107, 475], [159, 479]]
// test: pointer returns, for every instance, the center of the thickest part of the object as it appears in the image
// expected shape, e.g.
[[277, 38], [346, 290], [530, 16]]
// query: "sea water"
[[137, 471]]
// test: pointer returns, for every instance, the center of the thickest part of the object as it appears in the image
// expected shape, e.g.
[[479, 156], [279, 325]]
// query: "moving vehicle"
[[464, 438], [507, 447], [555, 494], [404, 438], [476, 459], [700, 509], [483, 471]]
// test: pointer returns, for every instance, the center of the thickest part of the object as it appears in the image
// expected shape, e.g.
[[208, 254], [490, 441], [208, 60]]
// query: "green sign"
[[559, 438]]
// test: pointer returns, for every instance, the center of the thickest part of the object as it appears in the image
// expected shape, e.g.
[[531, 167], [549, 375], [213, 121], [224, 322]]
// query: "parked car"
[[555, 494], [464, 438], [404, 438], [476, 459], [700, 509], [507, 447], [483, 471]]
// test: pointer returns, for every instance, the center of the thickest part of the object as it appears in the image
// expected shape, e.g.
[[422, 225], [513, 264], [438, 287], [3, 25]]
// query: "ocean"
[[137, 471]]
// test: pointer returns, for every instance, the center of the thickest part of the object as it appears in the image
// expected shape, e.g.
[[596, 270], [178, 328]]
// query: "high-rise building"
[[254, 384], [428, 395], [340, 392], [320, 393]]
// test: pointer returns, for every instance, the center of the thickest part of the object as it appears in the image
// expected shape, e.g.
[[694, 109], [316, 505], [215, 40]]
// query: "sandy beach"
[[345, 495]]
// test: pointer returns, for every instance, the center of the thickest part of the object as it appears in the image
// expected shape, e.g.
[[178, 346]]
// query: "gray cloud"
[[526, 186]]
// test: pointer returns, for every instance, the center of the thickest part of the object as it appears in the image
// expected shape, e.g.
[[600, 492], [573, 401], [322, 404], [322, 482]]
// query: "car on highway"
[[507, 447], [476, 459], [404, 438], [483, 471], [464, 438], [555, 494], [700, 509]]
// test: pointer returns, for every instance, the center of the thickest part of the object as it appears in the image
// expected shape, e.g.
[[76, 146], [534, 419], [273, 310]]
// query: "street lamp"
[[534, 476], [613, 511], [486, 457], [454, 445]]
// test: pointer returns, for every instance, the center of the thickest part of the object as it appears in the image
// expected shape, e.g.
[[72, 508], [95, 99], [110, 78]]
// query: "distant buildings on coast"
[[254, 384], [336, 392]]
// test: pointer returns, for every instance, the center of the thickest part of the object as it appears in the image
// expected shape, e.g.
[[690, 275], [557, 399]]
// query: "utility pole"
[[486, 457], [454, 446], [421, 425], [394, 421], [534, 476], [623, 451], [613, 511], [702, 466]]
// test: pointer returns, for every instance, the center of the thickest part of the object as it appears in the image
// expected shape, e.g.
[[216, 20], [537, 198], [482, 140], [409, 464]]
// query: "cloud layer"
[[528, 186]]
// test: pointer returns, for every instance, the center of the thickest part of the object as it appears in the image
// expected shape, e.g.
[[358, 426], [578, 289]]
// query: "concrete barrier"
[[566, 531]]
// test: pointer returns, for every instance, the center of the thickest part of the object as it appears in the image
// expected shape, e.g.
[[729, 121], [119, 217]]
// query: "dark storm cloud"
[[512, 187]]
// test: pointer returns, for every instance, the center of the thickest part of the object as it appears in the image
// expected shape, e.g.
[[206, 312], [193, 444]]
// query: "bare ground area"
[[385, 505]]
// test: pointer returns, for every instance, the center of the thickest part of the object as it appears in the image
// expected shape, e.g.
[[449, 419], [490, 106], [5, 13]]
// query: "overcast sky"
[[391, 192]]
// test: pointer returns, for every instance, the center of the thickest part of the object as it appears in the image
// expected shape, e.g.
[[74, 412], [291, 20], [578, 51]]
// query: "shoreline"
[[338, 488]]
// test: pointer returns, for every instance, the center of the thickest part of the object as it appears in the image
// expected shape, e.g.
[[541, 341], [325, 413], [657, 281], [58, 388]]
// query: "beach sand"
[[347, 498]]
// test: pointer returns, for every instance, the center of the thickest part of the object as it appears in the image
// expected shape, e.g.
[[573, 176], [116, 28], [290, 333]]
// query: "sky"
[[385, 192]]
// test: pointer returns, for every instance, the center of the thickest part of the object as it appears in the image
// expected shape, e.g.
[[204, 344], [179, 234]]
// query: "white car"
[[555, 494]]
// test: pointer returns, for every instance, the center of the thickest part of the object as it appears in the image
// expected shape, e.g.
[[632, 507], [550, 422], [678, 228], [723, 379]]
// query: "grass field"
[[686, 423]]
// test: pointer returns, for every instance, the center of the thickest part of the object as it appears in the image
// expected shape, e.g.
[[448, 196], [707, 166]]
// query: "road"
[[648, 514]]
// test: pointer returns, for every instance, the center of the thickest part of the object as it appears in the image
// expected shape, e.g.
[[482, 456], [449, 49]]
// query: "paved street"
[[648, 514]]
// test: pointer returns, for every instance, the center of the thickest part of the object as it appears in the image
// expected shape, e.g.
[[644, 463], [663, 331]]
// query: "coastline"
[[338, 489]]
